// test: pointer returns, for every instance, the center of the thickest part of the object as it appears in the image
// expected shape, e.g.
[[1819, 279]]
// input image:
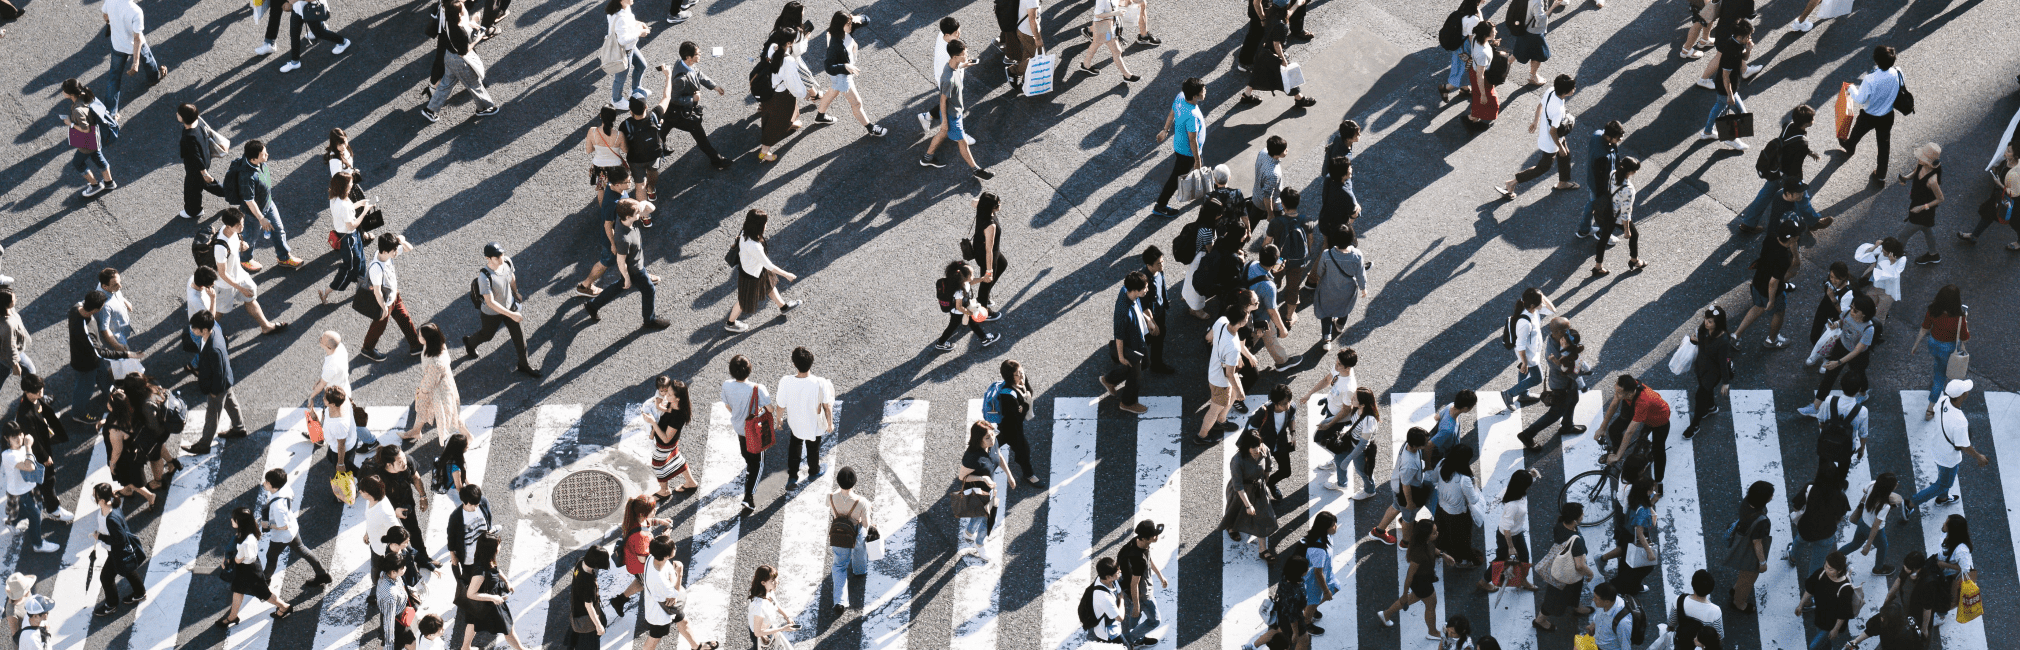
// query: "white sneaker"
[[968, 138], [1735, 145], [1706, 135], [46, 547], [1364, 495], [291, 66], [339, 49], [184, 214], [1694, 54], [264, 49], [926, 123], [6, 280], [61, 515], [1706, 84], [964, 550], [1803, 26], [1753, 70], [1330, 485]]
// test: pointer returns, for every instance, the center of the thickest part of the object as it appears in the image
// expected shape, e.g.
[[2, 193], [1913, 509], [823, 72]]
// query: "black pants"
[[316, 27], [1282, 453], [954, 321], [489, 328], [753, 464], [1251, 41], [1630, 580], [492, 9], [1012, 433], [700, 137], [1297, 19], [793, 451], [108, 579], [193, 187], [1830, 378], [412, 522], [1156, 342], [1558, 412], [1606, 234], [1128, 376], [1181, 164], [1658, 453], [1702, 401], [1883, 124], [982, 294], [302, 553], [274, 10], [1563, 161]]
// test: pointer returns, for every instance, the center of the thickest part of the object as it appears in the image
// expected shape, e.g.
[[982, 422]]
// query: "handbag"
[[315, 426], [1904, 101], [366, 301], [1960, 359], [1560, 568], [224, 571], [612, 55], [1293, 76], [345, 485], [1038, 74], [759, 429], [373, 219], [406, 618], [316, 11], [1733, 126], [1971, 603]]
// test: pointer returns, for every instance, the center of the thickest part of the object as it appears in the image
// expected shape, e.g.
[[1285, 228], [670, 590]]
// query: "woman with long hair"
[[1955, 560], [778, 114], [149, 401], [1483, 97], [248, 576], [1713, 366], [1464, 18], [606, 151], [1249, 510], [986, 245], [668, 413], [1459, 509], [638, 522], [1105, 34], [1925, 192], [123, 430], [1319, 582], [345, 218], [757, 278], [1270, 59], [453, 465], [1352, 417], [768, 623], [1511, 552], [1875, 506], [956, 293], [841, 67], [1637, 552], [1747, 544], [485, 609], [626, 28], [435, 400], [1943, 329], [1622, 216], [976, 477], [1420, 582]]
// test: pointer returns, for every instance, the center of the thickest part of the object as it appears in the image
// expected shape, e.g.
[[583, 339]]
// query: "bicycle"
[[1596, 489]]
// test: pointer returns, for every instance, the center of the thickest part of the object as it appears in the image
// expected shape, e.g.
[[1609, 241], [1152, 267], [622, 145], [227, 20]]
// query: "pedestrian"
[[809, 404], [607, 156], [1104, 31], [383, 281], [1249, 510], [1526, 326], [1222, 377], [339, 425], [954, 105], [950, 30], [404, 490], [586, 620], [346, 219], [1140, 616], [1955, 430], [1350, 418], [452, 467], [614, 192], [1420, 581], [1885, 260], [1261, 276], [1265, 201], [1770, 270], [1620, 216], [1877, 502], [668, 413], [1267, 74], [502, 305], [1342, 279], [278, 526], [431, 628], [460, 65], [1196, 240], [766, 621], [1293, 240], [469, 521], [622, 25], [484, 607], [975, 497], [1511, 553], [394, 599], [14, 342], [1817, 509], [1411, 484], [636, 547], [1730, 13], [1922, 590], [758, 277], [1790, 149], [1130, 348], [1712, 367], [1747, 542], [1638, 554], [842, 71], [1445, 435], [1877, 94], [778, 111], [125, 449], [250, 184], [1276, 422], [1831, 589], [1030, 42], [985, 247], [1566, 539], [1998, 208], [685, 111], [1944, 328], [1185, 124], [1892, 627], [955, 292], [1925, 192], [214, 377], [91, 355], [20, 467], [1850, 351], [1155, 304], [89, 155], [1459, 509], [665, 596], [1106, 626], [243, 566], [1734, 50], [315, 13], [1955, 561], [1338, 207], [126, 27], [631, 269], [1702, 12], [1612, 624], [850, 523], [645, 144], [1552, 125], [1694, 611], [1458, 28], [1529, 22], [1640, 409], [224, 266], [1483, 96], [124, 556], [743, 397]]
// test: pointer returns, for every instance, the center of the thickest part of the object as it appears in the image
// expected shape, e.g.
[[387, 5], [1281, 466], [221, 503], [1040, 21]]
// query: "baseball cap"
[[494, 250]]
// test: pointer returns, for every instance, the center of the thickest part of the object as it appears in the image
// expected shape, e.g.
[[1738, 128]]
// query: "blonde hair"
[[1929, 152]]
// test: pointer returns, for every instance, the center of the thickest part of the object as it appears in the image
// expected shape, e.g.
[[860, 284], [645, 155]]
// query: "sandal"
[[1564, 187], [1267, 556], [2013, 246], [283, 612], [1636, 266]]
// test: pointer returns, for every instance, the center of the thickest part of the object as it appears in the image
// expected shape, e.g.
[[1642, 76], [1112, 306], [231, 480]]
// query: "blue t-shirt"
[[1186, 119], [1264, 287]]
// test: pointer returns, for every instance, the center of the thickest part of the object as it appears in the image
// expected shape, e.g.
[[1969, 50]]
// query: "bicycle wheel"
[[1595, 490]]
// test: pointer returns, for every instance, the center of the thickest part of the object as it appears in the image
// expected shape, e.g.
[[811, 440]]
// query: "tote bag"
[[1294, 76], [1685, 355], [1960, 359], [612, 54], [1038, 73], [759, 430]]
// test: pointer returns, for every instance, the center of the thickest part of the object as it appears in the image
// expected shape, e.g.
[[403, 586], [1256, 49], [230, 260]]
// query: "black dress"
[[1919, 193], [130, 468], [1267, 75], [490, 618]]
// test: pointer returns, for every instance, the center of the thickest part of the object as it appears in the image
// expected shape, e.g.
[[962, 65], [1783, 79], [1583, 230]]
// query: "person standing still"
[[809, 403], [126, 25], [1186, 126], [1552, 126], [1876, 94], [214, 377], [498, 283], [384, 282], [254, 189], [955, 107]]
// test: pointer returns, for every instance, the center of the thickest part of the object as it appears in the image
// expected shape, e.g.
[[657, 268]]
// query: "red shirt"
[[636, 549], [1649, 409], [1945, 328]]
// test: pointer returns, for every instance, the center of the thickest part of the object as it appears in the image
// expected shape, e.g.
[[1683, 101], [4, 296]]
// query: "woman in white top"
[[1512, 535], [758, 277], [779, 115], [248, 577], [339, 431], [767, 622], [841, 68], [1102, 30], [1623, 219], [1352, 414], [345, 217], [1887, 258], [1875, 507], [1459, 509], [628, 30]]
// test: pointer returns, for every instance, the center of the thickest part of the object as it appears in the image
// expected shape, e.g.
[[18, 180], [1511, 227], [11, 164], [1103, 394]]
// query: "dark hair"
[[77, 89], [244, 525], [253, 149], [661, 546], [431, 625], [1135, 281], [389, 242], [1959, 533], [1366, 397], [433, 343], [1884, 56], [956, 48], [1280, 394], [373, 486], [845, 478], [1483, 30], [1248, 440], [949, 25], [1758, 494], [201, 321], [1152, 255], [102, 492], [1605, 590], [803, 359], [764, 573], [277, 477], [1742, 28], [1192, 87], [1641, 495], [95, 300], [7, 298], [1289, 197], [1276, 145], [1625, 167], [1105, 567], [486, 554], [611, 8], [958, 271], [187, 113], [1707, 636], [596, 558], [1803, 115], [1338, 167], [1949, 301], [1322, 529], [1459, 624], [453, 450], [978, 432], [1835, 560], [1466, 399], [471, 493], [839, 24], [739, 369], [1009, 369], [396, 535], [1863, 304], [1626, 382], [754, 225], [1518, 486], [637, 105], [1839, 269], [231, 216], [1416, 437], [1564, 83], [1271, 256], [1457, 461], [334, 395], [1613, 129], [1701, 583], [689, 50], [1570, 513]]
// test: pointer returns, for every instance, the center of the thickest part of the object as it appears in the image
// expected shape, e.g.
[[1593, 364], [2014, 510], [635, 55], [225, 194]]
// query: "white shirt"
[[338, 166], [1515, 517], [1109, 615], [625, 26], [802, 399], [1226, 353], [1024, 9], [281, 515], [1960, 556], [1953, 430], [940, 57], [195, 298], [439, 642], [338, 428], [380, 273], [1340, 394], [227, 250], [337, 371], [1457, 495], [342, 211], [125, 19], [248, 550], [1529, 336], [768, 614], [1867, 517], [1840, 405], [753, 258], [12, 458], [1886, 274], [1553, 114], [379, 518], [1706, 613], [659, 586]]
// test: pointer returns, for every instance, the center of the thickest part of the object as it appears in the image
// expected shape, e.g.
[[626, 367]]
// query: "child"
[[431, 633], [84, 136]]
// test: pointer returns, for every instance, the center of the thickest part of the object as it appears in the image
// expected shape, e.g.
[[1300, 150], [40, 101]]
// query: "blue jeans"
[[1821, 640], [1939, 375], [848, 560], [25, 507], [1945, 477], [279, 234], [1526, 377], [1859, 540], [1718, 108], [1360, 459], [148, 66], [1457, 77], [1813, 553], [1585, 225], [352, 264], [1751, 215], [89, 384], [1146, 620], [973, 527], [637, 71], [647, 295]]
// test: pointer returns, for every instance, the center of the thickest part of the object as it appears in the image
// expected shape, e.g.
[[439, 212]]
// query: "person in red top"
[[638, 521], [1645, 410], [1944, 328]]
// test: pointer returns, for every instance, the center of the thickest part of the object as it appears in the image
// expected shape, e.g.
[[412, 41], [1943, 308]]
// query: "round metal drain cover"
[[588, 495]]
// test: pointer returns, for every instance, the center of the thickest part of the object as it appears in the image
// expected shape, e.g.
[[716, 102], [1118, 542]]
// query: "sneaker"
[[736, 326], [1801, 26], [1883, 570], [679, 17], [968, 138], [823, 118], [264, 49], [1754, 71], [1293, 362], [925, 123], [1706, 84], [292, 262], [1146, 642], [1931, 258], [877, 131], [1138, 409], [983, 175], [1735, 145], [1776, 342], [414, 350], [110, 184], [429, 114], [1148, 39], [944, 346], [1810, 411], [1384, 537], [493, 110], [339, 49], [1315, 630], [1161, 211], [61, 515], [374, 355], [291, 66], [929, 160], [656, 324], [1239, 407], [46, 547], [1706, 135], [93, 190], [1363, 496], [991, 339], [1946, 500], [1330, 485]]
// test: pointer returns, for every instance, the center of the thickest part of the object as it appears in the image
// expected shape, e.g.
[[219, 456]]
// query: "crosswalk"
[[564, 438]]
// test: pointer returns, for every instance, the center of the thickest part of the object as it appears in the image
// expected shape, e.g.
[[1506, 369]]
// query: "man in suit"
[[124, 556], [1275, 424], [1155, 303], [214, 377], [1131, 346]]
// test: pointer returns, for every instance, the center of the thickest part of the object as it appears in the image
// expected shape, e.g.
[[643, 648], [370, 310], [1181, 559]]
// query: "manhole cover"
[[588, 495]]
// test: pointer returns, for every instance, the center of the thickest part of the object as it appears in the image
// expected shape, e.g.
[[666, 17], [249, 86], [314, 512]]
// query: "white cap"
[[18, 586], [1957, 388]]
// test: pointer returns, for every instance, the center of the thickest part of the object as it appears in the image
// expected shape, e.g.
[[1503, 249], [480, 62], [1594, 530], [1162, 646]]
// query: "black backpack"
[[1508, 332], [761, 80], [204, 248], [1497, 71], [1185, 247], [1640, 634], [1218, 273], [1834, 438], [644, 140], [174, 414], [1768, 163], [230, 184], [476, 296], [1087, 617], [1449, 36]]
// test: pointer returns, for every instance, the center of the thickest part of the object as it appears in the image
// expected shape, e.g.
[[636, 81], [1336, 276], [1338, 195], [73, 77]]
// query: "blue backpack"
[[992, 405]]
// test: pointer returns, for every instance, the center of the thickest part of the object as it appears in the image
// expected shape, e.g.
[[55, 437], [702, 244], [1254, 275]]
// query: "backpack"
[[1185, 247], [1297, 243], [1640, 634], [1217, 273], [992, 404], [1508, 332], [944, 294], [761, 80], [1768, 163], [1834, 440], [644, 140], [476, 295], [1450, 37], [230, 184], [1087, 617], [174, 413], [204, 248], [1497, 71]]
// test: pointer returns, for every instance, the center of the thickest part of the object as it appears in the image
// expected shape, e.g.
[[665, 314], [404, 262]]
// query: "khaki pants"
[[1027, 48]]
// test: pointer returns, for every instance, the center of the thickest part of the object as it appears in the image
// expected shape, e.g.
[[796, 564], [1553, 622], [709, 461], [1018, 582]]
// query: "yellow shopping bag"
[[1584, 642], [345, 486], [1970, 605]]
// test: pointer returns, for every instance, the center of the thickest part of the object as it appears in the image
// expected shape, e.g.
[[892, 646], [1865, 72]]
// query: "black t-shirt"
[[1561, 534], [1016, 406], [1733, 11], [1135, 561], [1006, 15], [582, 594], [641, 137], [1772, 267], [1732, 57], [1795, 151], [1833, 599], [631, 244]]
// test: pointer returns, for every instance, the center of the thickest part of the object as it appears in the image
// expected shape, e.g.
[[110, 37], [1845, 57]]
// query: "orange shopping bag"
[[1846, 111]]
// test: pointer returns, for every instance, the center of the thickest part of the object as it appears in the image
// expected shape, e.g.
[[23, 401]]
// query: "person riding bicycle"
[[1644, 411]]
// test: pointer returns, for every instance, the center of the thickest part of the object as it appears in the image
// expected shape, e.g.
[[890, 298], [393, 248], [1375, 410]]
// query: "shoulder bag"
[[612, 55], [759, 429], [366, 301], [1960, 360], [1904, 101], [1560, 567]]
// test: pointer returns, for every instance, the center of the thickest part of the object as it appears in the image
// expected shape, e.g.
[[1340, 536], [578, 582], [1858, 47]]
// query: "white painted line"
[[1679, 513], [439, 598], [1757, 439], [635, 435], [1244, 578], [1069, 533], [1511, 609], [1923, 441], [976, 584], [1342, 612], [887, 588], [803, 562], [1159, 436], [713, 593], [344, 617], [70, 624], [289, 450], [1582, 454], [177, 544]]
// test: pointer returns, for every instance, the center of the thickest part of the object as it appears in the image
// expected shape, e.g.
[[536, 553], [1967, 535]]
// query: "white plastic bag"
[[1685, 355], [1294, 76], [1038, 74], [1831, 9]]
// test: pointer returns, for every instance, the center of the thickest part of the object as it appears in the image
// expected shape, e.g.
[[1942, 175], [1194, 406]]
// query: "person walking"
[[346, 219], [1511, 553], [1998, 208], [214, 377], [630, 265], [975, 497], [404, 491], [1712, 367], [1420, 581], [765, 620], [625, 27], [436, 401], [635, 548], [607, 166], [1349, 419], [1818, 509], [1156, 304], [950, 30], [1293, 240], [1411, 483], [503, 305], [1265, 202], [1850, 351], [1130, 347], [778, 110], [1459, 509], [665, 597], [1458, 28], [954, 105], [124, 555], [1338, 207], [1341, 272], [14, 340], [1747, 542], [1223, 377], [850, 523], [315, 13], [1249, 510], [1267, 74], [484, 607], [1734, 50], [243, 566], [1106, 626], [1526, 324], [645, 144], [686, 81], [383, 281], [1030, 42], [88, 156], [1638, 555], [1276, 422], [985, 247], [758, 277], [469, 521], [1877, 503], [1140, 617], [15, 466], [616, 185], [668, 413], [250, 184], [239, 287], [393, 597], [1529, 22], [461, 65], [278, 526], [1566, 540], [1792, 147], [1925, 192], [1770, 271], [1955, 430], [955, 292], [126, 30], [743, 398], [809, 404], [1551, 125], [1261, 277], [1104, 32], [1620, 216], [1886, 259], [1877, 93], [1831, 589], [91, 354], [127, 448], [842, 71], [585, 607], [1483, 97], [1944, 328]]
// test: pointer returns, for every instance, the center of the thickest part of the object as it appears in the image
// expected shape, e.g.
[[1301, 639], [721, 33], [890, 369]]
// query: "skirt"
[[1267, 75], [249, 580], [1455, 535], [667, 461], [776, 116], [751, 293], [1485, 104], [1530, 47]]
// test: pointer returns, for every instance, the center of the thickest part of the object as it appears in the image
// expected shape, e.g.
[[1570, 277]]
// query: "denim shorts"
[[954, 131], [84, 160], [1761, 300]]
